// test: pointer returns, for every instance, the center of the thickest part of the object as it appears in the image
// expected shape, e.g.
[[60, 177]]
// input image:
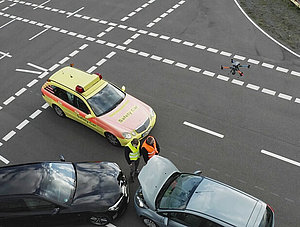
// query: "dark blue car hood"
[[97, 185]]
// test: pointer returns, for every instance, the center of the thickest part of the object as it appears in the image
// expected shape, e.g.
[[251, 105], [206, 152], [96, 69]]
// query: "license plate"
[[146, 133]]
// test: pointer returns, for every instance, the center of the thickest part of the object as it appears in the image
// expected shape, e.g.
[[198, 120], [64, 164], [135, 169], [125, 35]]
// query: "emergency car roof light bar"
[[79, 89], [100, 76]]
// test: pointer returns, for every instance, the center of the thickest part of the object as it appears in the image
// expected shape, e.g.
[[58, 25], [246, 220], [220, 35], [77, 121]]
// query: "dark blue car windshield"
[[59, 182]]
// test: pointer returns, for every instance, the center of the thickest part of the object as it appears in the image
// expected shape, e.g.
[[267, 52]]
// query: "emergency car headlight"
[[133, 133], [126, 135], [152, 113]]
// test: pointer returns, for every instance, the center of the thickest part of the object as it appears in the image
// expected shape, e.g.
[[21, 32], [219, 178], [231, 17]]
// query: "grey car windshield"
[[177, 192], [58, 182], [106, 99]]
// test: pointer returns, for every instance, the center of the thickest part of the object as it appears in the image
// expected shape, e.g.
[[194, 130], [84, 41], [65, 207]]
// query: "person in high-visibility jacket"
[[150, 147], [132, 155]]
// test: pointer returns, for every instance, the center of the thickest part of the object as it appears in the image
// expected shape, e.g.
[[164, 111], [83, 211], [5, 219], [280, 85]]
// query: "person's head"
[[135, 142], [150, 140]]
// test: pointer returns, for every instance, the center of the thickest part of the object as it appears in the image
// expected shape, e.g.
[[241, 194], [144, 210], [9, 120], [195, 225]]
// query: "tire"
[[99, 219], [148, 222], [112, 139], [59, 111]]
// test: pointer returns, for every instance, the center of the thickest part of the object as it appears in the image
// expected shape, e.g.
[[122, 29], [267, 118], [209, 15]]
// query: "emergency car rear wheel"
[[59, 111], [112, 139], [149, 222]]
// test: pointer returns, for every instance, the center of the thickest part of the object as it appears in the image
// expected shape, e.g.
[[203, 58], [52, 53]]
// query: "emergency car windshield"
[[106, 99]]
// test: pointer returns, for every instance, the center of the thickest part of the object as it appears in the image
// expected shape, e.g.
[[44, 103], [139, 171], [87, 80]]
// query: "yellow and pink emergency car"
[[98, 104]]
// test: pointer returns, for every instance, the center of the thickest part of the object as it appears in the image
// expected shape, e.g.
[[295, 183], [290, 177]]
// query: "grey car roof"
[[153, 176], [224, 202]]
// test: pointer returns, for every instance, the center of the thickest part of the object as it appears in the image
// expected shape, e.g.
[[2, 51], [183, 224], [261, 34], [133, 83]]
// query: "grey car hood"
[[153, 176]]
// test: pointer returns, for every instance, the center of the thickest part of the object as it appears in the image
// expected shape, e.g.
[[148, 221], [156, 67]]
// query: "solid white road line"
[[7, 23], [280, 157], [71, 14], [42, 4], [38, 34], [37, 67], [28, 71], [203, 129]]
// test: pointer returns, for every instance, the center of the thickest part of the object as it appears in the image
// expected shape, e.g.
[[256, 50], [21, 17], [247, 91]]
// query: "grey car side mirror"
[[166, 221], [198, 172], [62, 158]]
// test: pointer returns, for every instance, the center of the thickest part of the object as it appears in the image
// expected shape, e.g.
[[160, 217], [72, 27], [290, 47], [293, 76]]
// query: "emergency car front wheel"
[[112, 139], [59, 111], [148, 222]]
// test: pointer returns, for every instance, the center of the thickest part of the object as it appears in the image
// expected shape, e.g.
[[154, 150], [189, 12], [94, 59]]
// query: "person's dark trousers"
[[134, 168]]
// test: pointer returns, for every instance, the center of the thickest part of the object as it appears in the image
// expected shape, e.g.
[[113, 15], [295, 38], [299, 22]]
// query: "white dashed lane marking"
[[281, 158], [22, 124], [9, 100], [163, 37], [203, 129], [9, 135]]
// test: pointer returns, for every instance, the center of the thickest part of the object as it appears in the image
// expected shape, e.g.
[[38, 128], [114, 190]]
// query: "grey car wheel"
[[112, 139], [59, 111], [99, 219], [148, 222]]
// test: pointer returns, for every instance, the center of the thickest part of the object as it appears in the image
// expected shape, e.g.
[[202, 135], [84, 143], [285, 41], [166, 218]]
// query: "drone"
[[235, 67]]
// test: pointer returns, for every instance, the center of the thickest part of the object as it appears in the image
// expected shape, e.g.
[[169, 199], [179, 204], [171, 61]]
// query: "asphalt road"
[[168, 54]]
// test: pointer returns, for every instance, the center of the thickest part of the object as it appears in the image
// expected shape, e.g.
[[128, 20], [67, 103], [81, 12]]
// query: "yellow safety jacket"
[[135, 152]]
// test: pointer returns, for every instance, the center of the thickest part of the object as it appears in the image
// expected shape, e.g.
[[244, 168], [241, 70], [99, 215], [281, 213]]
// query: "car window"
[[179, 191], [106, 99], [191, 220], [64, 95], [79, 104], [38, 204], [8, 205], [267, 220]]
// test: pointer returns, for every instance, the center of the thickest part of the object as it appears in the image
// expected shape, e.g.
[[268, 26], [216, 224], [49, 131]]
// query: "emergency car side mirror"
[[88, 116], [123, 88]]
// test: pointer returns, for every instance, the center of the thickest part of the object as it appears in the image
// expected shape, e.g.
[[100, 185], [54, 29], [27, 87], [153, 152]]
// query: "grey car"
[[168, 197]]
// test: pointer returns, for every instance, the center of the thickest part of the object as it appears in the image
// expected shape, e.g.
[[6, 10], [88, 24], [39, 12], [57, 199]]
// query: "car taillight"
[[100, 76], [271, 208]]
